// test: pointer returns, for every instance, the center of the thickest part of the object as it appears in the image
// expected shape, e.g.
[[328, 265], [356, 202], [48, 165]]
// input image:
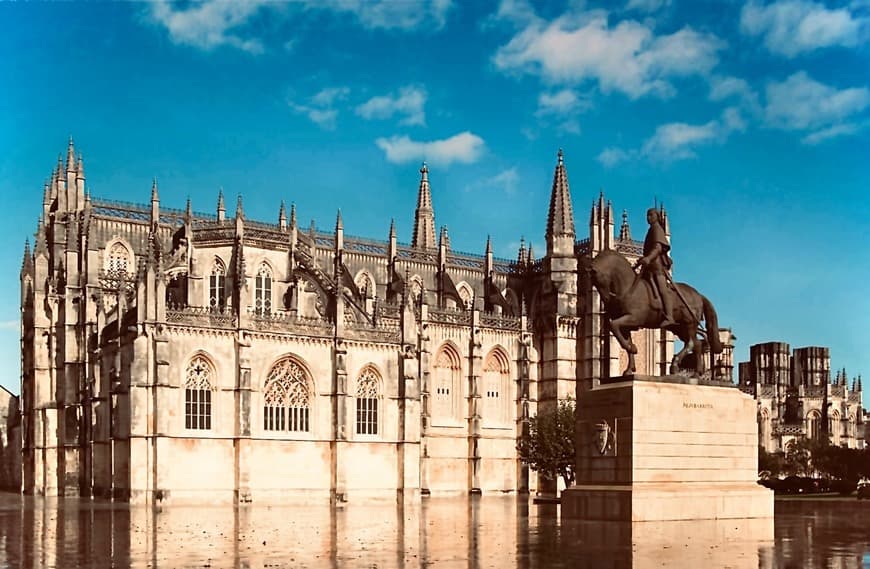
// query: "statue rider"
[[655, 263]]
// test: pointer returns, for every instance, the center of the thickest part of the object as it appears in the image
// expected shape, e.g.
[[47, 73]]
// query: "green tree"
[[548, 448], [771, 462]]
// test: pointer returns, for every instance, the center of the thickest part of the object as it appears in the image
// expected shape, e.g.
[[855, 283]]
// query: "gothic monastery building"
[[171, 355]]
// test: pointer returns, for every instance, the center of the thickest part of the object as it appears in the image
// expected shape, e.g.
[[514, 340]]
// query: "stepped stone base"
[[666, 448]]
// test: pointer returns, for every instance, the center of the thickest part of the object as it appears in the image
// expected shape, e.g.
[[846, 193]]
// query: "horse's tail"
[[712, 326]]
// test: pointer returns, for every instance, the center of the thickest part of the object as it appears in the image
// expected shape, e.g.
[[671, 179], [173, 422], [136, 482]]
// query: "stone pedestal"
[[666, 448]]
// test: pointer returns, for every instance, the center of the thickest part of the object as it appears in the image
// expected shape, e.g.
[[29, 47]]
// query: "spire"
[[71, 155], [27, 262], [188, 210], [282, 216], [521, 253], [292, 215], [41, 247], [845, 377], [154, 195], [221, 210], [80, 167], [338, 223], [488, 245], [392, 228], [531, 257], [444, 238], [859, 383], [155, 206], [424, 216], [239, 210], [560, 221], [624, 230]]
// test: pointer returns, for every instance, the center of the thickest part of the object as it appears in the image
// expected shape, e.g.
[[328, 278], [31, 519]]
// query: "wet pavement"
[[497, 532]]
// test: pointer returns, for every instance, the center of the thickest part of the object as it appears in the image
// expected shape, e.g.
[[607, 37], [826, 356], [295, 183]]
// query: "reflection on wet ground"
[[498, 532]]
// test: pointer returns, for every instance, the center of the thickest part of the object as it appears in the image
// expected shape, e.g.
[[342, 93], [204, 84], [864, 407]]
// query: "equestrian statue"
[[650, 299]]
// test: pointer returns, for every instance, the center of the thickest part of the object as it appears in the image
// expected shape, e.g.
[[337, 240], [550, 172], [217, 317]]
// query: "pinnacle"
[[560, 221]]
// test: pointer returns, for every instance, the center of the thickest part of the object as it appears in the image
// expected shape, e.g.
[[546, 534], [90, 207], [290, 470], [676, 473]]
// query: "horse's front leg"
[[616, 326]]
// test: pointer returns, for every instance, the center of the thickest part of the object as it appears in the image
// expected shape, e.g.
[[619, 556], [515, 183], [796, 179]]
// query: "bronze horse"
[[629, 303]]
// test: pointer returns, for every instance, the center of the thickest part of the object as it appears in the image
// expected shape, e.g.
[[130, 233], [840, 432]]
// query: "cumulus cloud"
[[561, 108], [465, 147], [320, 108], [613, 156], [676, 141], [408, 103], [390, 14], [647, 5], [726, 88], [210, 24], [213, 23], [802, 103], [628, 58], [790, 27], [506, 181]]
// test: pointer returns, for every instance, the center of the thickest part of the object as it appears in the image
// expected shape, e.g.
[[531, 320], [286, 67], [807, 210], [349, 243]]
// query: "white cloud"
[[409, 102], [612, 156], [562, 108], [390, 14], [831, 132], [628, 58], [801, 103], [506, 181], [320, 108], [213, 23], [790, 27], [464, 147], [209, 24], [724, 88], [647, 5], [677, 141]]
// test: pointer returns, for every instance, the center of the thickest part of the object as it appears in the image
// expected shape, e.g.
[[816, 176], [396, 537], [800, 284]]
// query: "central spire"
[[424, 216]]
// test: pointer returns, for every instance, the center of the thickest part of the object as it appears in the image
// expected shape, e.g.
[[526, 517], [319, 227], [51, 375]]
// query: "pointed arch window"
[[764, 428], [118, 259], [216, 282], [814, 424], [198, 386], [834, 427], [445, 392], [263, 290], [286, 399], [367, 399], [496, 389]]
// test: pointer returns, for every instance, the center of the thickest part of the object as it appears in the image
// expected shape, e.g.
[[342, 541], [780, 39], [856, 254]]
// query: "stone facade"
[[797, 397], [173, 355]]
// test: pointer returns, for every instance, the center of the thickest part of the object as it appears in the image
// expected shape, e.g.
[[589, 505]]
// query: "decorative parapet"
[[854, 397], [289, 323], [632, 248], [766, 391], [813, 390], [796, 430], [388, 310], [386, 330], [454, 316], [201, 316], [500, 321], [747, 388]]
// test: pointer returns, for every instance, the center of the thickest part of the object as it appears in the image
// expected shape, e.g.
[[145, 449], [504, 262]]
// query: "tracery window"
[[445, 392], [198, 386], [263, 290], [286, 398], [367, 396], [834, 427], [118, 259], [814, 420], [216, 281], [496, 389]]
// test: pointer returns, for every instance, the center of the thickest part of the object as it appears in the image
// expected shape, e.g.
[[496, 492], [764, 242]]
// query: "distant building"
[[172, 355], [797, 397], [10, 441]]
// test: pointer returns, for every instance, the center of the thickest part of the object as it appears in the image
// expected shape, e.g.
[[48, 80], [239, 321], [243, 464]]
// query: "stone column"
[[242, 422], [475, 368]]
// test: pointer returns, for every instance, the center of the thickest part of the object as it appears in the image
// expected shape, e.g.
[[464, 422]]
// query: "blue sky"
[[749, 120]]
